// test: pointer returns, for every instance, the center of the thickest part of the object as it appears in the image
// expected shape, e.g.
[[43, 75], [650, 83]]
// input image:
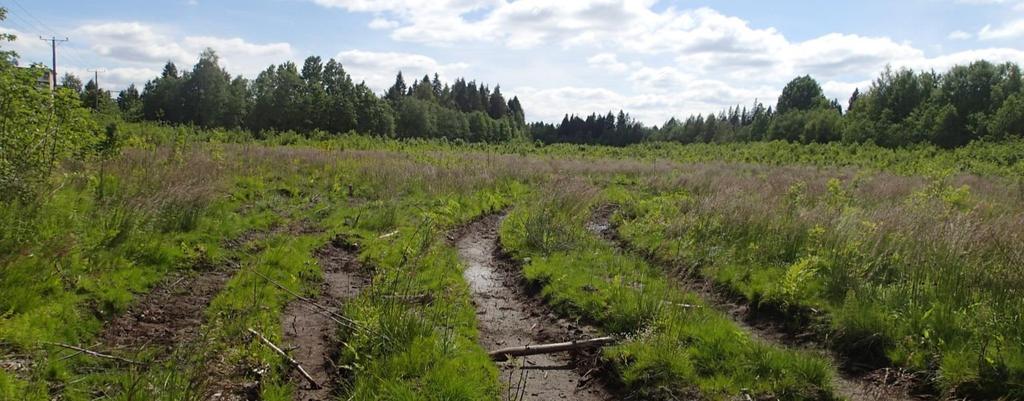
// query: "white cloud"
[[1011, 30], [115, 79], [383, 23], [378, 69], [959, 35], [131, 41], [836, 55], [137, 44], [608, 61], [24, 44]]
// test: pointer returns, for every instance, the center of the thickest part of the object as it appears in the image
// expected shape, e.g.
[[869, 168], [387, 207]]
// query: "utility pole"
[[53, 47], [96, 80]]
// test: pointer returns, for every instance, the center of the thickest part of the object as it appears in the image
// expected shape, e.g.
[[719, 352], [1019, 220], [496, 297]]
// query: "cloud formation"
[[143, 45], [378, 69], [708, 60]]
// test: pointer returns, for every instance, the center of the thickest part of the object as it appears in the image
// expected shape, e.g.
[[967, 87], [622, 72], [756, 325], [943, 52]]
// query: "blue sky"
[[652, 58]]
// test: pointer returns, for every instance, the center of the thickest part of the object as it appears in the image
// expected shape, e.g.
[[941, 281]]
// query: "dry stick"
[[94, 353], [293, 362], [504, 353], [340, 319]]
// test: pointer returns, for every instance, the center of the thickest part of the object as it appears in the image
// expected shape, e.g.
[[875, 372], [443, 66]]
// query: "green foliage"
[[40, 129], [676, 345], [801, 94], [888, 273]]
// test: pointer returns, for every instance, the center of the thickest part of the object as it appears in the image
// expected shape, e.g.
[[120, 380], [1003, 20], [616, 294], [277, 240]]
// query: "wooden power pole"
[[53, 68]]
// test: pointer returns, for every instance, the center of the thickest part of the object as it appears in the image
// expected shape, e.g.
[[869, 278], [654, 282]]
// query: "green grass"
[[906, 256], [669, 351], [408, 351], [892, 273]]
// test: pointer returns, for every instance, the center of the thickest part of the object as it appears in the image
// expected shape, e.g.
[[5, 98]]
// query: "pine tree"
[[130, 103], [497, 107], [398, 90], [516, 110]]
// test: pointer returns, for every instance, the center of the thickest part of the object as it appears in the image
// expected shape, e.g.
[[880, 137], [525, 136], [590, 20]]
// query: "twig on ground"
[[94, 353], [293, 362], [526, 350]]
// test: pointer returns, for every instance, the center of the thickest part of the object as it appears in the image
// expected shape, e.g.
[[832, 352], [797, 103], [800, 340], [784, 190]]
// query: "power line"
[[96, 81], [30, 15], [53, 46], [29, 24]]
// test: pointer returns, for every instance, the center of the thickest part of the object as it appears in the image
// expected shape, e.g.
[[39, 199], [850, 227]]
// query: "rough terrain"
[[507, 317], [311, 330]]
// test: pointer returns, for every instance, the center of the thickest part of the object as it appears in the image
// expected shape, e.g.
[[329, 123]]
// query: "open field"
[[764, 277]]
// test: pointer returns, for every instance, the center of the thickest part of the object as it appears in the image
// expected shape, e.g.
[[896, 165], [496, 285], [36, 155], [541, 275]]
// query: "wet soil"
[[311, 331], [170, 314], [851, 382], [507, 317]]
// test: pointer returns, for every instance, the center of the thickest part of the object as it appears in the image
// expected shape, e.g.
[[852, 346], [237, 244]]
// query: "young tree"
[[40, 129], [70, 81], [130, 103], [97, 98]]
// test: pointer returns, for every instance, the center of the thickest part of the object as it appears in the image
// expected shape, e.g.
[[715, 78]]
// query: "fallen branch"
[[503, 354], [336, 317], [94, 353], [293, 362], [390, 234], [684, 306]]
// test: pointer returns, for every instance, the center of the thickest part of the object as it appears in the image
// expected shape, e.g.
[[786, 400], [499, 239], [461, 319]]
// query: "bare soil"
[[170, 314], [310, 331], [507, 316], [854, 384]]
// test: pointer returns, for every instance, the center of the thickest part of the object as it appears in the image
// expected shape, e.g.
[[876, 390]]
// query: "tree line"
[[901, 107], [318, 96]]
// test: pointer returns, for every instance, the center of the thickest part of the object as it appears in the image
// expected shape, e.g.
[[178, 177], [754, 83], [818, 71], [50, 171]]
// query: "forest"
[[902, 107], [299, 237]]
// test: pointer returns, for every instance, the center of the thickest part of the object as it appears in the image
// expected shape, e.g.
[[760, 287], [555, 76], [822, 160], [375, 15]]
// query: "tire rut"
[[312, 332], [878, 385], [506, 316], [171, 314]]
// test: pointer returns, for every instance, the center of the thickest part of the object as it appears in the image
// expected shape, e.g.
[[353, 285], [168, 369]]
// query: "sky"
[[653, 59]]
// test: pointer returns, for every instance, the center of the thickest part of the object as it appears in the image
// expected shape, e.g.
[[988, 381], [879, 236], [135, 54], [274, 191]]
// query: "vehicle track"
[[172, 312], [878, 385], [507, 316], [313, 332]]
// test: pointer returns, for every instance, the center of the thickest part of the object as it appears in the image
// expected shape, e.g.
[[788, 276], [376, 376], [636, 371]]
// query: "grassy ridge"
[[671, 351], [922, 273]]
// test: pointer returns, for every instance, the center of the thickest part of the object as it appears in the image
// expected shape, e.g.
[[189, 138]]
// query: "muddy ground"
[[507, 316], [311, 331]]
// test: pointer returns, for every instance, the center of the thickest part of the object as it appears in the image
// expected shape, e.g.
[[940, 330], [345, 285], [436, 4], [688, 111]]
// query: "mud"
[[507, 316], [874, 385], [170, 314], [310, 331]]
